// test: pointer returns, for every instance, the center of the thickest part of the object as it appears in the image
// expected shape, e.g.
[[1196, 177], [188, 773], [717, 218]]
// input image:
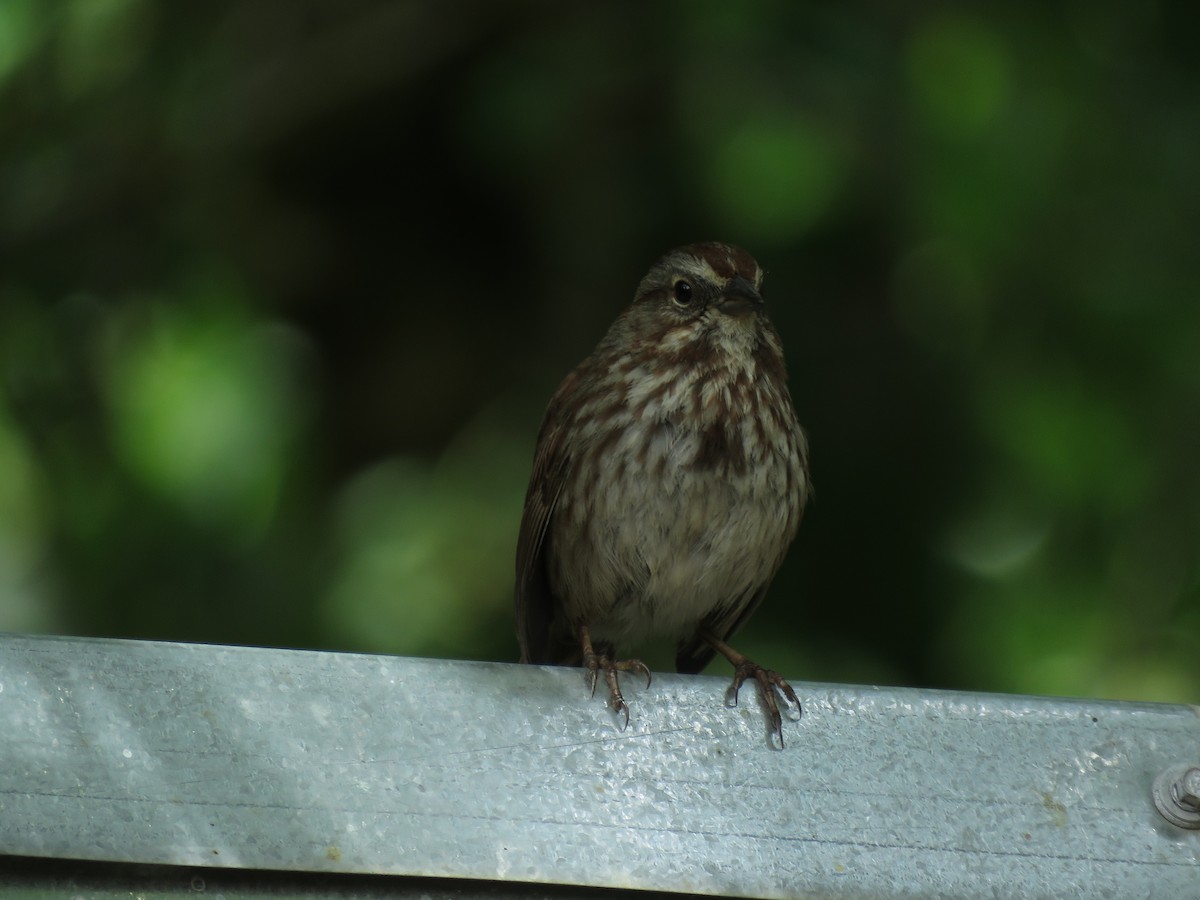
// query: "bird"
[[669, 479]]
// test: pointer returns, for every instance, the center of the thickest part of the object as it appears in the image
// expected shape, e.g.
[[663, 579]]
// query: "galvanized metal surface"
[[289, 760]]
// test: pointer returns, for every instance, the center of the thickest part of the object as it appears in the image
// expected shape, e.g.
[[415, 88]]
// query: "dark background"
[[285, 286]]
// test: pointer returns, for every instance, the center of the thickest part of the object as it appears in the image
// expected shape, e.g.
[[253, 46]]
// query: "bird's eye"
[[683, 292]]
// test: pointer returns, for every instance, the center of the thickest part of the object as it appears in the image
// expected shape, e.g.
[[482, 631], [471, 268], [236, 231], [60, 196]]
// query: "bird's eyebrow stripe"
[[726, 262]]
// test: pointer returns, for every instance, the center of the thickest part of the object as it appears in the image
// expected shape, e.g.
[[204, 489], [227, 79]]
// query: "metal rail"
[[284, 761]]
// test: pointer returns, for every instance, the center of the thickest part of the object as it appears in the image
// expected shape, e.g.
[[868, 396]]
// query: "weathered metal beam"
[[257, 759]]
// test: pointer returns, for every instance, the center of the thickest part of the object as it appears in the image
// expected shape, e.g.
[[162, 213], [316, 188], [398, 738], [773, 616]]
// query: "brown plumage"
[[669, 479]]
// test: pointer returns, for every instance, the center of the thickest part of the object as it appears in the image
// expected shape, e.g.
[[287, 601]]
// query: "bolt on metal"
[[1189, 788], [1176, 795]]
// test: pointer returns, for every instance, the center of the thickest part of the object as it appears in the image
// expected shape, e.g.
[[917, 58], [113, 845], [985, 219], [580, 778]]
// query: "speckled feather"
[[670, 474]]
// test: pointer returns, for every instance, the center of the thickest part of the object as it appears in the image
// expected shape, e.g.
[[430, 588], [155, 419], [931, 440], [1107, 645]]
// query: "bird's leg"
[[602, 661], [768, 681]]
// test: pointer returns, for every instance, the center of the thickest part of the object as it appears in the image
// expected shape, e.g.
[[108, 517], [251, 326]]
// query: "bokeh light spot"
[[959, 73], [773, 177]]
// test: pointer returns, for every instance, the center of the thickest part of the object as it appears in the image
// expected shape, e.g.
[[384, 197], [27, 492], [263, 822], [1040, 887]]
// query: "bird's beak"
[[739, 297]]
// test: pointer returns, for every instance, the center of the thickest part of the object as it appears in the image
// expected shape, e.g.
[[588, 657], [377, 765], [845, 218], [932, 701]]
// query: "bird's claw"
[[601, 662], [768, 682]]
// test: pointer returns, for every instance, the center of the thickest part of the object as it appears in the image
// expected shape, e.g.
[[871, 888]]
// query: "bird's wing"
[[535, 602]]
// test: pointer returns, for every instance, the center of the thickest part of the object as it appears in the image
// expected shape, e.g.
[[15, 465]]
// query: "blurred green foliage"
[[284, 288]]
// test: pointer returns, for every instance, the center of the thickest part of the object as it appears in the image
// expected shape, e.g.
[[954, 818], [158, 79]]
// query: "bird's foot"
[[596, 661], [601, 662], [768, 680]]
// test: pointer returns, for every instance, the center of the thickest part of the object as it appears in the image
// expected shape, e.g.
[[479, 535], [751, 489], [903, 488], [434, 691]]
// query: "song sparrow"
[[669, 479]]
